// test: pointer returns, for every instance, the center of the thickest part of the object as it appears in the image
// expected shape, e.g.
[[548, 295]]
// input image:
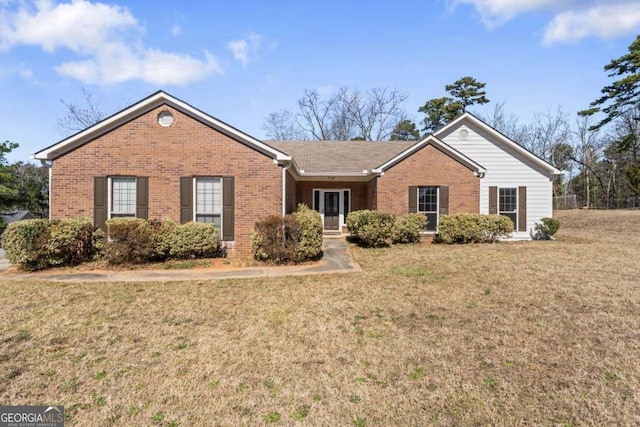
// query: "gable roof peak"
[[143, 106]]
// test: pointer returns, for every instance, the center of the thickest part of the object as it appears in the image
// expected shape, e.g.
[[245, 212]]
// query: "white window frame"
[[110, 198], [195, 198], [515, 211], [437, 211], [341, 217]]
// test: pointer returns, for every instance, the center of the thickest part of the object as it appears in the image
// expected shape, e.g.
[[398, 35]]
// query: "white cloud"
[[573, 19], [495, 12], [603, 21], [106, 37], [241, 49]]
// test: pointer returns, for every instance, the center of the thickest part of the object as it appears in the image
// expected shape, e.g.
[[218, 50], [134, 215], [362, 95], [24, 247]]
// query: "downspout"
[[49, 165], [284, 187]]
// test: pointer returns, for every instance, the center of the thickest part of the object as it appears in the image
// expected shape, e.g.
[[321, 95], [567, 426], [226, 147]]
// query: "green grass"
[[527, 333]]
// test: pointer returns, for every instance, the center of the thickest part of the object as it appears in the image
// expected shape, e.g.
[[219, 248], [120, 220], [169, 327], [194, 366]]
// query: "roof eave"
[[143, 106], [515, 146], [431, 139]]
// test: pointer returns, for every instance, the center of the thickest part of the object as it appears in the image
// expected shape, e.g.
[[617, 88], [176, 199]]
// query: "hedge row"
[[473, 228], [37, 244], [375, 229], [289, 239]]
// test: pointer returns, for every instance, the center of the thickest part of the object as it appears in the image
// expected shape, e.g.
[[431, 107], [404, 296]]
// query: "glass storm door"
[[331, 210]]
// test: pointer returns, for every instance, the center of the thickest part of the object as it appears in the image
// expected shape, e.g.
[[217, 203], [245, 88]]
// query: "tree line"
[[598, 148], [23, 186]]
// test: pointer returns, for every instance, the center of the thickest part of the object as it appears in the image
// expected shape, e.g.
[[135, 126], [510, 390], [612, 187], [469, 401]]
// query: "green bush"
[[310, 244], [275, 239], [194, 240], [371, 228], [69, 241], [22, 242], [407, 228], [35, 244], [472, 228], [546, 230], [131, 241], [164, 237]]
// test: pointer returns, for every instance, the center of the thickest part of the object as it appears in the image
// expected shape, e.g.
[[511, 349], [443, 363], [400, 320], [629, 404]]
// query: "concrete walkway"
[[335, 259]]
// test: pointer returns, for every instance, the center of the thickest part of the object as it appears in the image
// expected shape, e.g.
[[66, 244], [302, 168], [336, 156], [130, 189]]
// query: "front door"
[[331, 210]]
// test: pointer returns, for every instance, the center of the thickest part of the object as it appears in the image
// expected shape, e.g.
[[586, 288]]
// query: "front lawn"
[[530, 333]]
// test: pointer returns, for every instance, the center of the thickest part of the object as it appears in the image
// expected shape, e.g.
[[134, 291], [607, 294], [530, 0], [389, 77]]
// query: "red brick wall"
[[143, 148], [428, 166]]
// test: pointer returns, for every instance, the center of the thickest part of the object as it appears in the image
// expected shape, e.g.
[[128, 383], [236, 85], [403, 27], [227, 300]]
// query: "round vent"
[[165, 118], [464, 134]]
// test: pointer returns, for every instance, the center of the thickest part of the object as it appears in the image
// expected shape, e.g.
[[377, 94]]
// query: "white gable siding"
[[504, 168]]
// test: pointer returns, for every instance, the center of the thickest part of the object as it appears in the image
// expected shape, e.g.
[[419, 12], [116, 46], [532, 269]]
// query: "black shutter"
[[228, 214], [443, 203], [413, 199], [100, 203], [493, 200], [522, 208], [186, 199], [142, 197]]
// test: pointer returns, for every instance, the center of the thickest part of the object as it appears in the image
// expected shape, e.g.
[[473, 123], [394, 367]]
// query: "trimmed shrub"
[[371, 228], [546, 230], [69, 241], [193, 240], [276, 238], [131, 240], [310, 244], [495, 227], [35, 244], [164, 237], [472, 228], [407, 228], [22, 242]]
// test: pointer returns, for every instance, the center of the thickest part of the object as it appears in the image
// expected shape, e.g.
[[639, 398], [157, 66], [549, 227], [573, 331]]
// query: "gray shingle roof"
[[13, 216], [340, 156]]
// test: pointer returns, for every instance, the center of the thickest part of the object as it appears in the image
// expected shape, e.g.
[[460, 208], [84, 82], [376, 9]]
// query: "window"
[[123, 197], [208, 201], [347, 204], [508, 203], [428, 205]]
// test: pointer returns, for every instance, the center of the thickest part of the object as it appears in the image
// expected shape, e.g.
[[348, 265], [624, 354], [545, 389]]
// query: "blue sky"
[[240, 60]]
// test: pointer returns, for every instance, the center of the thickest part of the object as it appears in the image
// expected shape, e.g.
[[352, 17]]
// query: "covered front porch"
[[333, 199]]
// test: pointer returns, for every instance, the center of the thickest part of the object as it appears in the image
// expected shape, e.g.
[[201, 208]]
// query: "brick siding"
[[142, 147], [428, 166]]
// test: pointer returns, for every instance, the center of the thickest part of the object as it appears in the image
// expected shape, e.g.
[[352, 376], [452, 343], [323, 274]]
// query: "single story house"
[[162, 157]]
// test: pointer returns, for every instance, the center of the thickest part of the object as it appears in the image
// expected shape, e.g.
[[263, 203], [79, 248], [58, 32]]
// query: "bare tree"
[[281, 126], [547, 131], [315, 115], [586, 153], [507, 124], [374, 113], [80, 116], [348, 114]]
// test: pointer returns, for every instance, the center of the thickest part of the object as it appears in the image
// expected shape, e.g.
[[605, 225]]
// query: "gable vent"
[[165, 118], [464, 134]]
